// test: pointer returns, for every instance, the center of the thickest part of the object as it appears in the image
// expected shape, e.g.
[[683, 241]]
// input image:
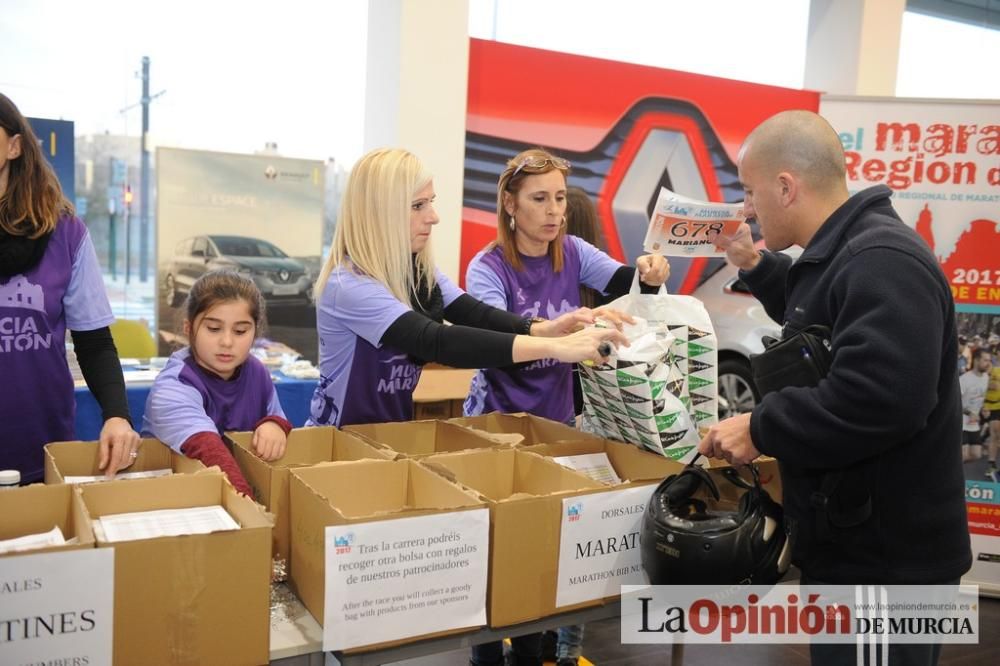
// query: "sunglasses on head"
[[538, 163]]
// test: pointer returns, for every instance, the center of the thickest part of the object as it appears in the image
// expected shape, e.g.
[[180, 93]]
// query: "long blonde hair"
[[373, 229]]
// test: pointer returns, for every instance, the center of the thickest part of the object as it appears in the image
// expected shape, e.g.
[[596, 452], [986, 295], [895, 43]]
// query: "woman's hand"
[[269, 441], [119, 446], [564, 324], [591, 344], [612, 316], [654, 269]]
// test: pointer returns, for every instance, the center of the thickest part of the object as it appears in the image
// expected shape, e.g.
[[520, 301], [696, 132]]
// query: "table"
[[294, 395], [297, 640], [435, 385]]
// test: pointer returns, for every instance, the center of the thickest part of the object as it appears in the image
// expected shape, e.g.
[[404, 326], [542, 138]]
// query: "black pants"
[[897, 654], [893, 654]]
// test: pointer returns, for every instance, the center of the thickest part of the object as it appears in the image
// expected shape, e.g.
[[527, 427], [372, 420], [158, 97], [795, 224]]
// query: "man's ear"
[[789, 188]]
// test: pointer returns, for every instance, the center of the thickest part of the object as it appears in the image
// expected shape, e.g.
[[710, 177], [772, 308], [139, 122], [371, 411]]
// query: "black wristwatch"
[[525, 328]]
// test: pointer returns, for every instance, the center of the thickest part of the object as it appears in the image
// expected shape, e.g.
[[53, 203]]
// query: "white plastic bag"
[[660, 390]]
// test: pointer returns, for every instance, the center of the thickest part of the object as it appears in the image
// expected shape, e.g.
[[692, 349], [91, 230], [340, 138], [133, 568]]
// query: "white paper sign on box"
[[57, 607], [394, 579], [599, 544]]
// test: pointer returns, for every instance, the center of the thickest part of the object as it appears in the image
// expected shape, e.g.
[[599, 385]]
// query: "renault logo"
[[283, 275]]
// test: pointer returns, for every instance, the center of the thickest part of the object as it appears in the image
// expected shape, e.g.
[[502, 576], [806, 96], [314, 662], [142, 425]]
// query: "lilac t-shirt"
[[186, 399], [362, 381], [64, 290], [545, 387]]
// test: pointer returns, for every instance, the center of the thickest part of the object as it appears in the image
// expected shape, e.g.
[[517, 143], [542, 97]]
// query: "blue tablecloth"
[[294, 395]]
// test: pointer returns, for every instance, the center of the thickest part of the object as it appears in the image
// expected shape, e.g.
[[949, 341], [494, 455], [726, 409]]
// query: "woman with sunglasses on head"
[[50, 281], [381, 304], [535, 269]]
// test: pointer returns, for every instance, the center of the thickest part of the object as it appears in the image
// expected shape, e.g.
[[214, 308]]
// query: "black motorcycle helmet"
[[684, 542]]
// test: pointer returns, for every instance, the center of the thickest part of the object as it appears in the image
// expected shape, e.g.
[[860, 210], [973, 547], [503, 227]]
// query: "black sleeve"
[[621, 282], [98, 358], [457, 346], [468, 311]]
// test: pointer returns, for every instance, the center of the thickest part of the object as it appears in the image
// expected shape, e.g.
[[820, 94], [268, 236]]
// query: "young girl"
[[214, 384]]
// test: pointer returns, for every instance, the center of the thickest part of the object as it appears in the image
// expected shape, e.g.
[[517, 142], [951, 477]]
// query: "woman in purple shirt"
[[535, 269], [381, 304], [50, 281]]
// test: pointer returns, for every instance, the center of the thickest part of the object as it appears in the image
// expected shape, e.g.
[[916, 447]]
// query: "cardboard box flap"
[[534, 429], [421, 438], [64, 459], [367, 488], [630, 462], [38, 508], [169, 492], [500, 474]]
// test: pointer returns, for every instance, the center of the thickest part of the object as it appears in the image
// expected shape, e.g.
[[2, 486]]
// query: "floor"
[[603, 647]]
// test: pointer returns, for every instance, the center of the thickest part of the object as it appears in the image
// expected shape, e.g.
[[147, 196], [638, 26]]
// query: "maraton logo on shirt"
[[402, 376], [21, 333]]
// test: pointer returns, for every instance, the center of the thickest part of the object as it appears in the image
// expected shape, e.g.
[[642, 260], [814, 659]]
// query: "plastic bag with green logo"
[[660, 390]]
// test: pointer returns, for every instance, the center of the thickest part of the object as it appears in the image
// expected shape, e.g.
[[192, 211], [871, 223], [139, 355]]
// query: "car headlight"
[[243, 270]]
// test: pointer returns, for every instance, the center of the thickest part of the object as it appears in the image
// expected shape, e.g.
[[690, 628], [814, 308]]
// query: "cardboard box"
[[441, 392], [416, 439], [64, 459], [194, 599], [532, 429], [525, 493], [38, 508], [631, 463], [306, 446], [767, 467], [355, 493]]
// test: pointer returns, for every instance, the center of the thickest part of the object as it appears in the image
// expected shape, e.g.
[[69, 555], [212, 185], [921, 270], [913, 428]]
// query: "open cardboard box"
[[38, 508], [416, 439], [306, 446], [631, 463], [440, 392], [193, 599], [525, 493], [354, 494], [64, 459], [532, 429]]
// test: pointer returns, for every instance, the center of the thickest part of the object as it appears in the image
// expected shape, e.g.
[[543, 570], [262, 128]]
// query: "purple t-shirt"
[[186, 399], [64, 290], [362, 381], [545, 387]]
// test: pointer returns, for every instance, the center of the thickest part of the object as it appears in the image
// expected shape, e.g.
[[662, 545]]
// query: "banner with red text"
[[942, 159]]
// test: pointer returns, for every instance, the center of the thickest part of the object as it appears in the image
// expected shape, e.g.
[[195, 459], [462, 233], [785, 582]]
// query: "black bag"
[[800, 360]]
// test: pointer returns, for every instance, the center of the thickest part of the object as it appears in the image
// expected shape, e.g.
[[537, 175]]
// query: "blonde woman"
[[381, 304]]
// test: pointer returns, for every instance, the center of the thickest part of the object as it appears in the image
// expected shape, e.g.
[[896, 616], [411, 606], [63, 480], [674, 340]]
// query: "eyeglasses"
[[538, 163]]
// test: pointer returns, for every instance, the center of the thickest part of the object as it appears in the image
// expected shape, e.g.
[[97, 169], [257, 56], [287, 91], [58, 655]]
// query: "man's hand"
[[739, 247], [731, 441]]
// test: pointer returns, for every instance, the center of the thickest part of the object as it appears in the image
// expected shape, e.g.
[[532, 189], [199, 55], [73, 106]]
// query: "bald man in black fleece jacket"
[[880, 435]]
